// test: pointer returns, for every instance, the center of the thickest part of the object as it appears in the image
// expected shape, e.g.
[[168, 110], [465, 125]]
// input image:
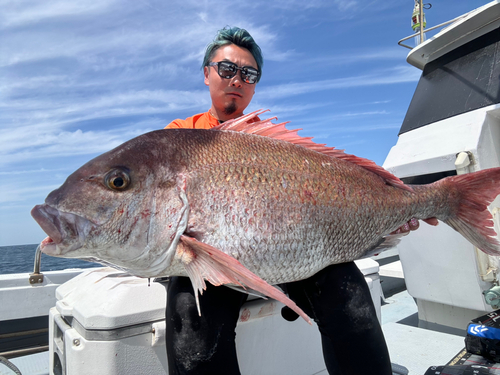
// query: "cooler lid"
[[103, 299], [367, 266]]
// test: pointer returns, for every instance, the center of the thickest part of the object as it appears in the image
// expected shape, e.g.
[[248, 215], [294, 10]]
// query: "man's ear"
[[205, 72]]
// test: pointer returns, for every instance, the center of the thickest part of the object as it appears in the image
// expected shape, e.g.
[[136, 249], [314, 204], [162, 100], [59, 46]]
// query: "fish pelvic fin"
[[472, 218], [266, 128], [205, 262]]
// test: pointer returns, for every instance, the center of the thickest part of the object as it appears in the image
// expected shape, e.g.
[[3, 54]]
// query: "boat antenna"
[[418, 21]]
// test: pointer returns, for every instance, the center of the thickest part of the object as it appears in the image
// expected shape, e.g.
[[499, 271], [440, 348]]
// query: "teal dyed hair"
[[238, 37]]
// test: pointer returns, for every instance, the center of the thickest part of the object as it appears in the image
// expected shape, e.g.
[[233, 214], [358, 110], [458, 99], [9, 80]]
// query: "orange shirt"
[[199, 121]]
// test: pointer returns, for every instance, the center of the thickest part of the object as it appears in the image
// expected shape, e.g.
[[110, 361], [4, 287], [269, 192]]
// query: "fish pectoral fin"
[[250, 292], [205, 262]]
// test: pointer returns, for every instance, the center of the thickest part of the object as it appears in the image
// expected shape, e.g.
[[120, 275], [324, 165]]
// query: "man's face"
[[230, 96]]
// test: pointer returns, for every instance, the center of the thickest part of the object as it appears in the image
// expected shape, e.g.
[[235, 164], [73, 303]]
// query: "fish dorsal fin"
[[248, 124]]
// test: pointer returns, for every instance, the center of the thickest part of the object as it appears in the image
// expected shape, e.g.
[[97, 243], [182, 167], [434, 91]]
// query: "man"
[[337, 298], [231, 71]]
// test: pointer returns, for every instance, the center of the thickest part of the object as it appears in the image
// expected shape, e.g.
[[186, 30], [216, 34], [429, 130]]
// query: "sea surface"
[[21, 258]]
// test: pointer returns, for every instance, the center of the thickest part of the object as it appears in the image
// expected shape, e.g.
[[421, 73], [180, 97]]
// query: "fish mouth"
[[48, 246], [64, 229]]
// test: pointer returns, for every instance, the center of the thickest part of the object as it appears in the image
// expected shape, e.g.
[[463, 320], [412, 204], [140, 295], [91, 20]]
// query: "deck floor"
[[415, 348]]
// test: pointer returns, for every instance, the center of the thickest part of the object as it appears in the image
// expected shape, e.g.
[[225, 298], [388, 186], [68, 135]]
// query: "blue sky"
[[78, 78]]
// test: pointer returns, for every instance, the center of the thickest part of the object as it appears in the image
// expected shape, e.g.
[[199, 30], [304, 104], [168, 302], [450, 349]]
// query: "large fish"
[[231, 207]]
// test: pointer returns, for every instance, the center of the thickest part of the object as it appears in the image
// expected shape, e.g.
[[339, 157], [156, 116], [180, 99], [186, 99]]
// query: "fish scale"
[[304, 204]]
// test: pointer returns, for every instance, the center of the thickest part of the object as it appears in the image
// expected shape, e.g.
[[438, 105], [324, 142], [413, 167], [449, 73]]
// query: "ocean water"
[[21, 258]]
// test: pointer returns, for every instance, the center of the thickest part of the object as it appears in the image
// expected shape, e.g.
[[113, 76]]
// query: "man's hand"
[[413, 224]]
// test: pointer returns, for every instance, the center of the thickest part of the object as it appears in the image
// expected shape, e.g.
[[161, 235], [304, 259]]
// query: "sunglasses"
[[228, 70]]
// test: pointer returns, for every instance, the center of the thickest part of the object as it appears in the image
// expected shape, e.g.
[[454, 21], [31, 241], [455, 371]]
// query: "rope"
[[10, 365]]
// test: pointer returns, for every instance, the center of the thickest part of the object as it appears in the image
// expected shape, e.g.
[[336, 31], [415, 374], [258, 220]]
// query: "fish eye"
[[117, 179]]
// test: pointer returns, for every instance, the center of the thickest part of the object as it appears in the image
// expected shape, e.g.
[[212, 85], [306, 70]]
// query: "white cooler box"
[[103, 324]]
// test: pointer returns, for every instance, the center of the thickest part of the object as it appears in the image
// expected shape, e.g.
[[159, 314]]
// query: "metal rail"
[[36, 277], [422, 31], [20, 352], [23, 333]]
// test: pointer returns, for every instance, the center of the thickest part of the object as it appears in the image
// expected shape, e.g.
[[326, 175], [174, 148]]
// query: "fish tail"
[[471, 217]]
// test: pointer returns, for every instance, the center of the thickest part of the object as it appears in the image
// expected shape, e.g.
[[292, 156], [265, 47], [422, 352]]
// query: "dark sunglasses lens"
[[249, 75], [227, 70]]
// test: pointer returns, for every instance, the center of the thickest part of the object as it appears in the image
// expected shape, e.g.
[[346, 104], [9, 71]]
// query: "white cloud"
[[15, 193], [345, 5], [41, 170], [356, 55], [46, 116], [16, 13], [55, 144], [398, 74]]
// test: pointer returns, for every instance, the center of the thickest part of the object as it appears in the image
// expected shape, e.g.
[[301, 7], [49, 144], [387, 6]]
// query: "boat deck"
[[415, 348]]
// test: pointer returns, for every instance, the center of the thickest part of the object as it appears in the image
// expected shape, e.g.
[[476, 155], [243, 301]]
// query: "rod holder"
[[36, 277]]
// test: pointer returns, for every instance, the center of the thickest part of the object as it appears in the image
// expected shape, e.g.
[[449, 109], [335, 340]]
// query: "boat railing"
[[36, 277], [430, 29]]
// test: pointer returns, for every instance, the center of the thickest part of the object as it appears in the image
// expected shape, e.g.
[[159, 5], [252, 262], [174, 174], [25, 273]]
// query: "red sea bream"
[[249, 204]]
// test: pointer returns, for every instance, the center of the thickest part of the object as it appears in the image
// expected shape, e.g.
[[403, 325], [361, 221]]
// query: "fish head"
[[125, 208]]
